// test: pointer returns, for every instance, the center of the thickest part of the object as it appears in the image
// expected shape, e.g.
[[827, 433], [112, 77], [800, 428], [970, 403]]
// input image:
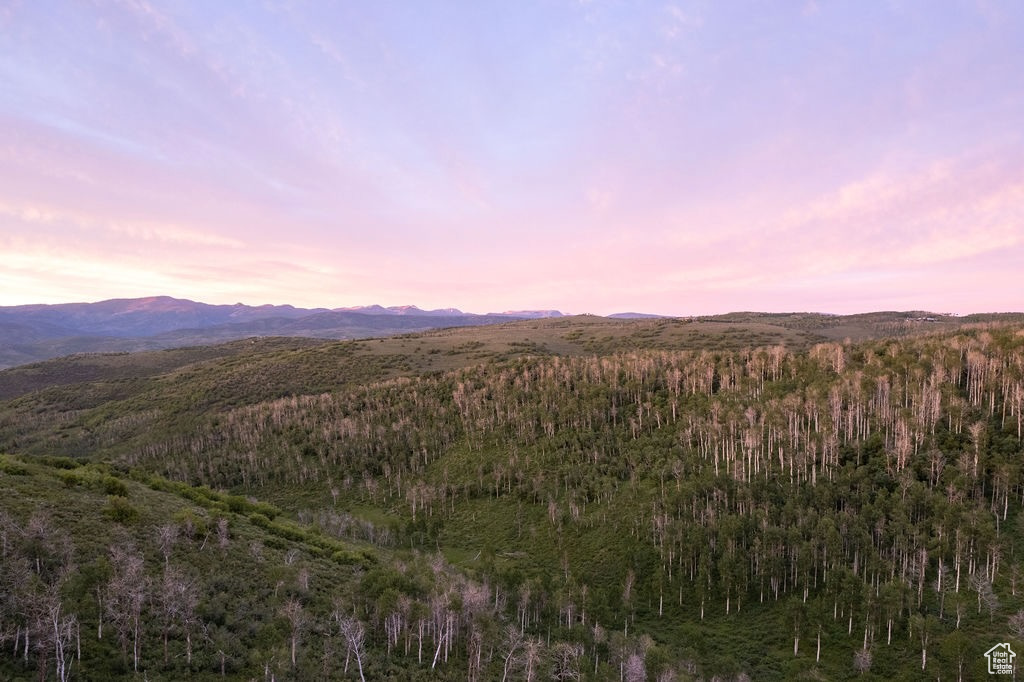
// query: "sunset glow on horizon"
[[590, 156]]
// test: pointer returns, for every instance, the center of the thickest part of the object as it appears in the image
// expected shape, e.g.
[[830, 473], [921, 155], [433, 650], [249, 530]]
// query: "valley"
[[746, 496]]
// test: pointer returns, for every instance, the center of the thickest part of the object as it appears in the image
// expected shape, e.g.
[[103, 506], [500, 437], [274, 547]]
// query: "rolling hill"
[[748, 496], [31, 333]]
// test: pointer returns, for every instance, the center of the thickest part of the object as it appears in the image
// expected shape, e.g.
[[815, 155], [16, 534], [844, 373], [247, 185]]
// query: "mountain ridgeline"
[[744, 497], [31, 333]]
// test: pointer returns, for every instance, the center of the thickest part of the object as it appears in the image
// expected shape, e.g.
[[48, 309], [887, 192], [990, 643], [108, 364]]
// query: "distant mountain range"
[[30, 333], [412, 310]]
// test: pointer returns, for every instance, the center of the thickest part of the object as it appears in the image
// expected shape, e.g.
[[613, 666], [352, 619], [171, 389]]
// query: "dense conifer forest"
[[441, 506]]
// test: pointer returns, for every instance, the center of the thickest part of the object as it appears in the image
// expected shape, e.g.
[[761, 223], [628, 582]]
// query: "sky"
[[591, 156]]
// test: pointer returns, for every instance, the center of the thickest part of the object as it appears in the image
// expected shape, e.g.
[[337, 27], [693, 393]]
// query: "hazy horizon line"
[[562, 312]]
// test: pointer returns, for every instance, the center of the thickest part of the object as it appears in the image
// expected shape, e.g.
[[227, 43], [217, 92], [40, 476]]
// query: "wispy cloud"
[[947, 210], [158, 23], [681, 157], [142, 231], [678, 22]]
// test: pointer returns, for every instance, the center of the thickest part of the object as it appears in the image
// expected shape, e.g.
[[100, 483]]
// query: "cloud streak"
[[670, 157]]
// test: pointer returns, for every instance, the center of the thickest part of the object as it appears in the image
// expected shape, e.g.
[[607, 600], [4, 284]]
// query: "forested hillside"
[[449, 508]]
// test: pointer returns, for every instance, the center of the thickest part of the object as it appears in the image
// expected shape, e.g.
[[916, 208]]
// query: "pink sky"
[[678, 158]]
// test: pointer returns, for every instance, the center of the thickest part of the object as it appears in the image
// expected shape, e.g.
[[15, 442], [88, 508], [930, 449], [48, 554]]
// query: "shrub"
[[9, 465], [120, 510]]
